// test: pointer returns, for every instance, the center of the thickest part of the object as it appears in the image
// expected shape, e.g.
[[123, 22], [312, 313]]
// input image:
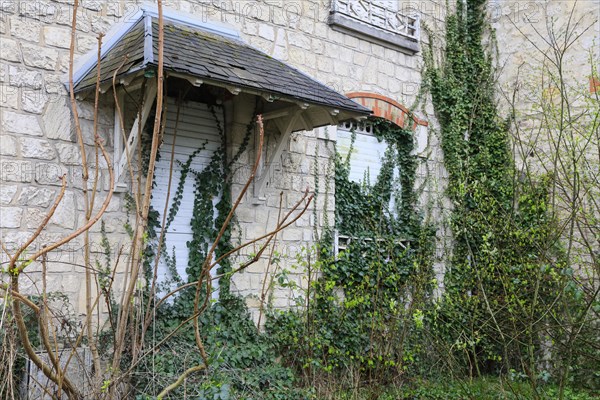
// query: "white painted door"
[[196, 128]]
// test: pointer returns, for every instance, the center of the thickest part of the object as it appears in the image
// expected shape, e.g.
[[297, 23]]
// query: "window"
[[378, 21], [367, 151], [365, 164]]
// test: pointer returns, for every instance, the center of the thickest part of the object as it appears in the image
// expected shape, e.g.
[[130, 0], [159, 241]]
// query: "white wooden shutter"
[[367, 156], [367, 152]]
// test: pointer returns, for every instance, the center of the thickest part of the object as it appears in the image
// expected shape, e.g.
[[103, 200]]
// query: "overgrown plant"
[[22, 258], [555, 126], [355, 323], [124, 341], [507, 291]]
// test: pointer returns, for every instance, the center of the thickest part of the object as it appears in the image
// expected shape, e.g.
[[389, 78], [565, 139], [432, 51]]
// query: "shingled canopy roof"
[[213, 58]]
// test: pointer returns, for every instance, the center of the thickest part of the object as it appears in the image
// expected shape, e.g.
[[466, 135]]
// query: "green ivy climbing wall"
[[241, 360], [363, 305], [506, 271]]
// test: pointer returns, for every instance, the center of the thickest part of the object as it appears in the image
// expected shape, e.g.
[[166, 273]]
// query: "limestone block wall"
[[524, 32], [38, 145]]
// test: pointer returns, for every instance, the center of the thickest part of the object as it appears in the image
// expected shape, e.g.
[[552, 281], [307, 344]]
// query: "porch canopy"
[[214, 54]]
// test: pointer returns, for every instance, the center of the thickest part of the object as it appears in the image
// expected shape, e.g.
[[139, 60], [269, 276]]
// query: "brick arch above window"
[[387, 108]]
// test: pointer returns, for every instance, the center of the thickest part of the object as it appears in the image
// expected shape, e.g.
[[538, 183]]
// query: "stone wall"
[[525, 31], [38, 143]]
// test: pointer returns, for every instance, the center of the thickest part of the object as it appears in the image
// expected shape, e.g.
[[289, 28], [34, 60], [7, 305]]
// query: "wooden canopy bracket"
[[124, 155], [332, 116], [284, 112], [306, 122], [285, 126]]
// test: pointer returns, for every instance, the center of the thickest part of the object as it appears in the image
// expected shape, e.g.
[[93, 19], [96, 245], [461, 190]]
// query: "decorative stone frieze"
[[379, 21]]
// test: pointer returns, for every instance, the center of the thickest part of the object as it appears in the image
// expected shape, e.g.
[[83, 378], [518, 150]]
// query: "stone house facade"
[[369, 51]]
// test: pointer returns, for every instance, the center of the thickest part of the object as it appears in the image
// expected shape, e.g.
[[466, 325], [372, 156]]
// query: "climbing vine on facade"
[[364, 304], [366, 210], [230, 337], [507, 282]]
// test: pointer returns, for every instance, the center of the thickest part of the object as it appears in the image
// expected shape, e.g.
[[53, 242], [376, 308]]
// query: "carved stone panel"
[[378, 21]]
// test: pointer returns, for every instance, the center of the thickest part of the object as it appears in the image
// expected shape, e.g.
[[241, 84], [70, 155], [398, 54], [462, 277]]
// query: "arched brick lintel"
[[386, 108]]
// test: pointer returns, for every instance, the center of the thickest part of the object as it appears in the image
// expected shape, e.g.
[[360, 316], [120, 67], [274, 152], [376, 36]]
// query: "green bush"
[[242, 364]]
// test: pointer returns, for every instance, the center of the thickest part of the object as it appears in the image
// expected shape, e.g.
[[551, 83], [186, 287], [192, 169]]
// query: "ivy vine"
[[507, 267], [365, 210], [241, 361], [358, 311]]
